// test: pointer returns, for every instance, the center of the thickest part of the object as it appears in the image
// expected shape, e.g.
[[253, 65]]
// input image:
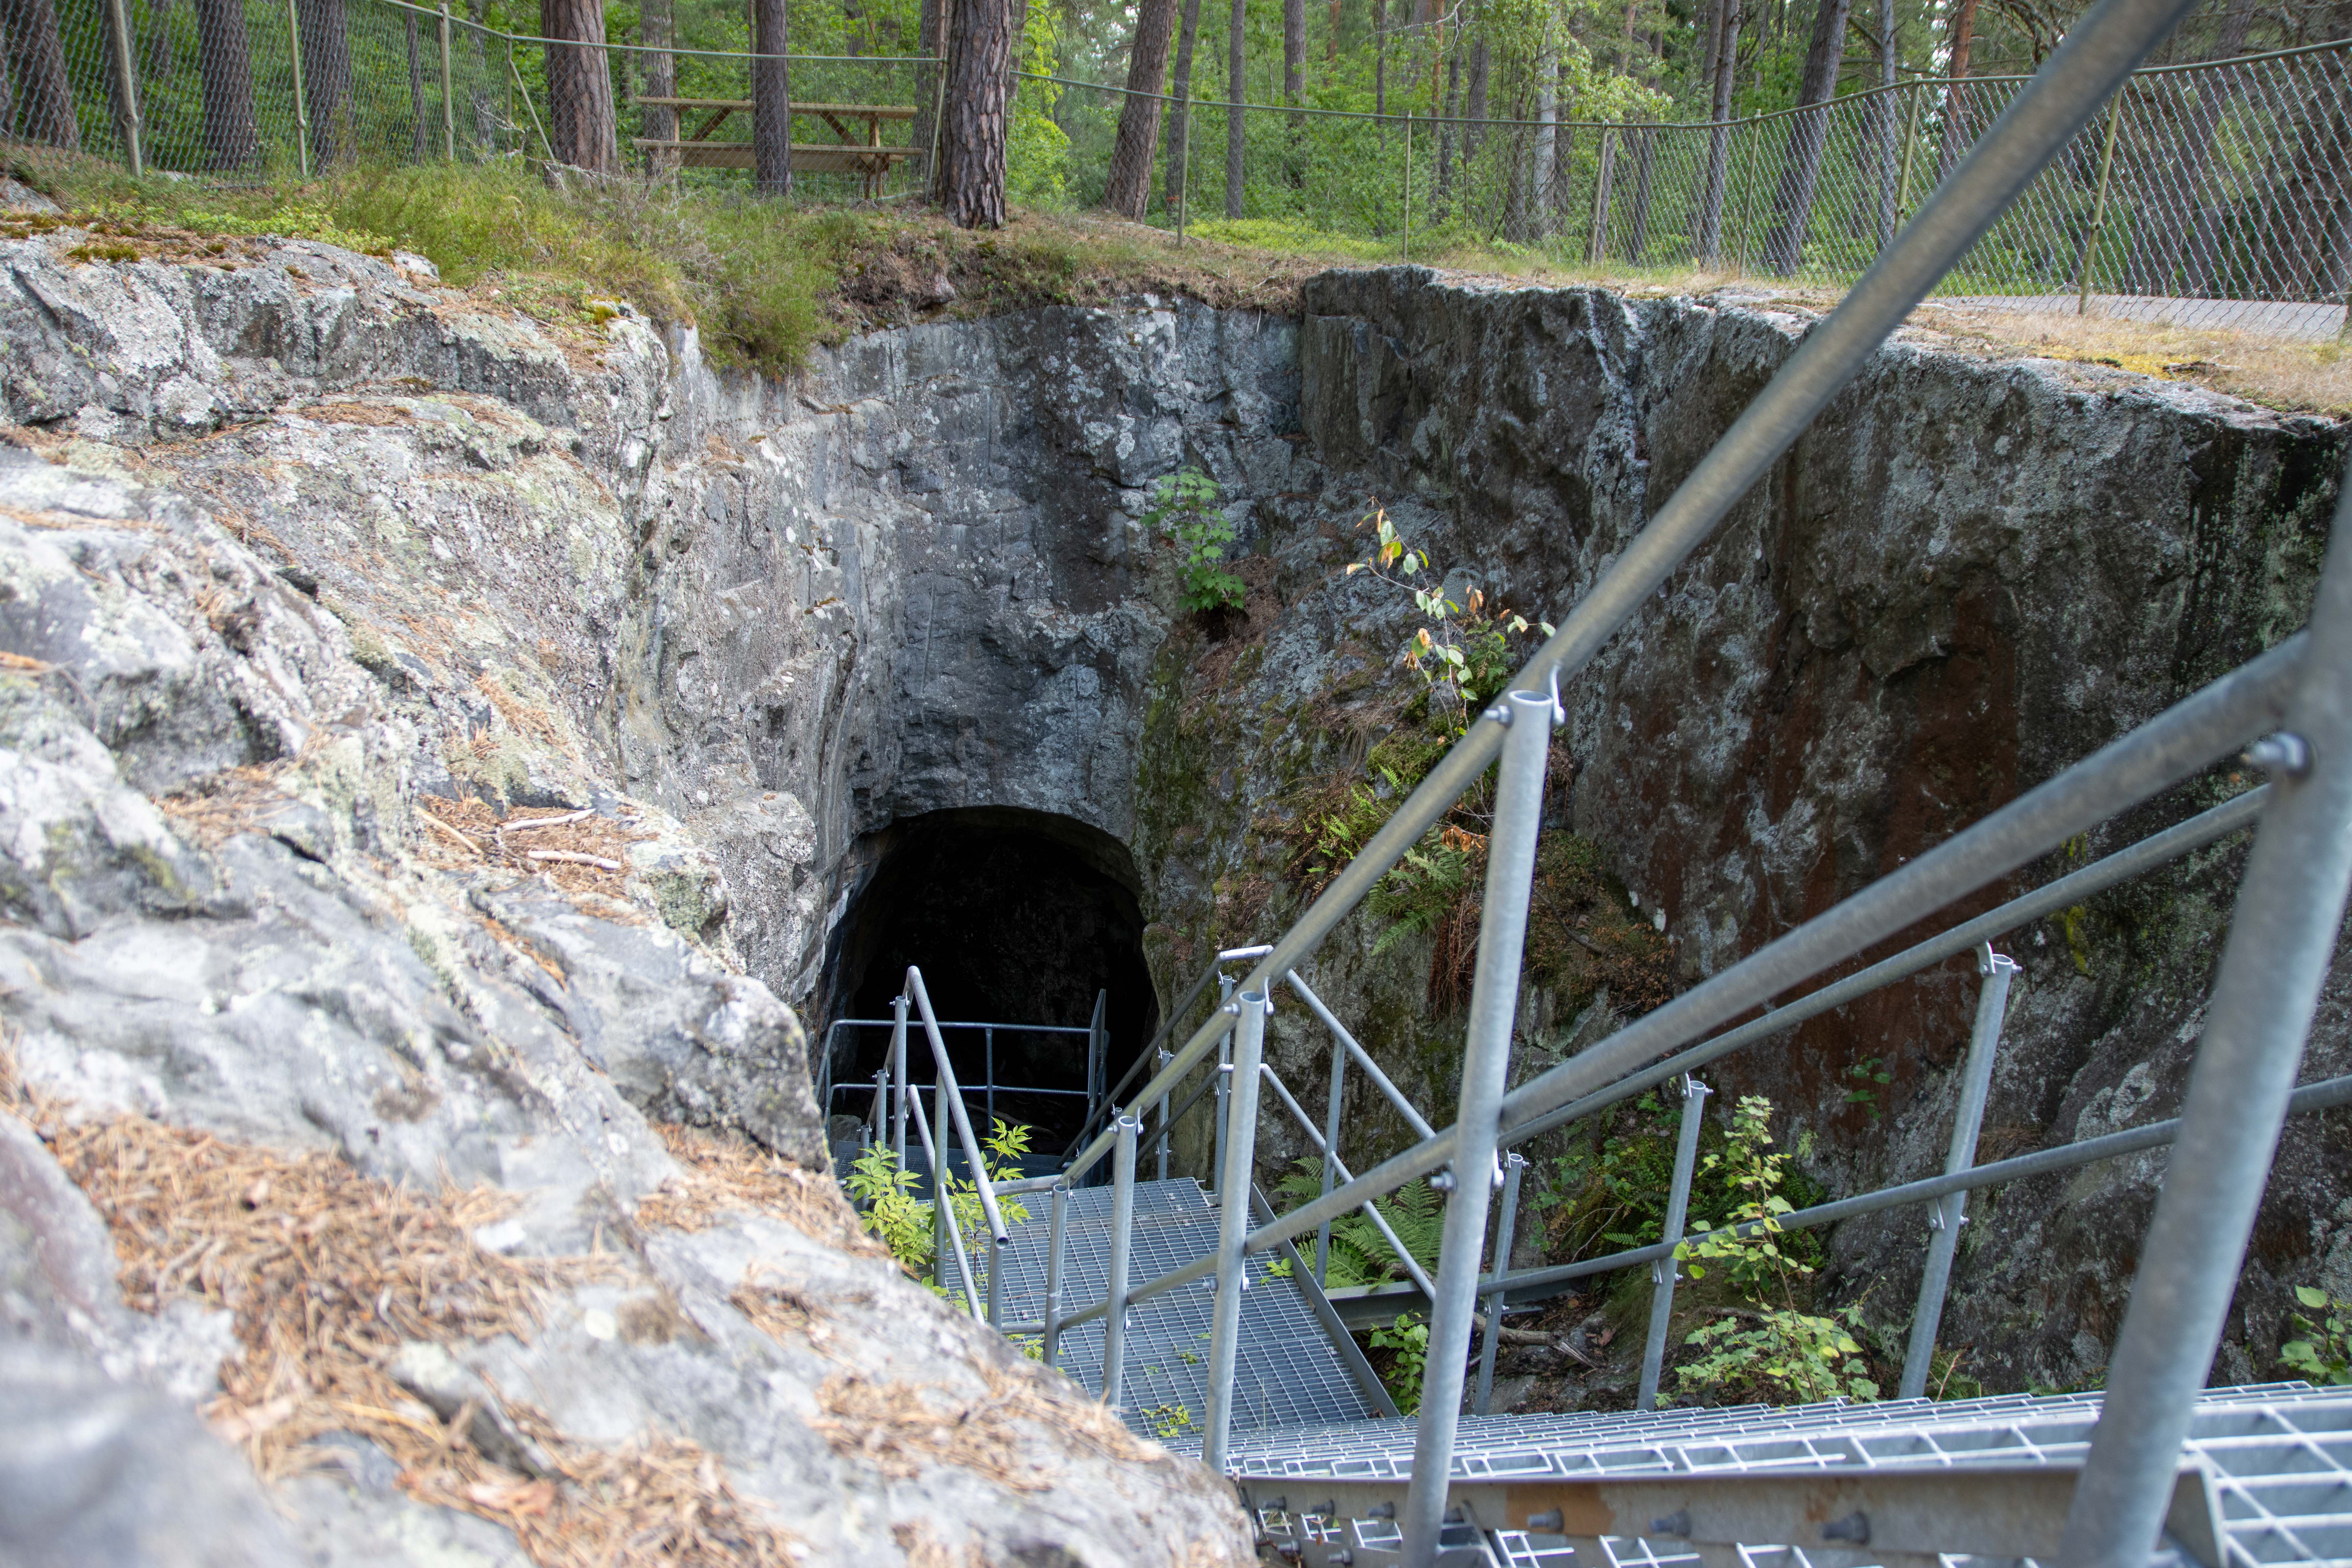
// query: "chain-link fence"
[[2221, 190], [2210, 192], [244, 88]]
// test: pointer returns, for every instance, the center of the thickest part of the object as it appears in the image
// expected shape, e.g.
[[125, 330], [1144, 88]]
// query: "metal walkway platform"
[[2267, 1478], [1289, 1373]]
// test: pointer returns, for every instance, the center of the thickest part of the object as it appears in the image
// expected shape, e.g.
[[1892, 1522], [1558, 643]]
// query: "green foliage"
[[1168, 1420], [1464, 650], [1407, 1337], [1361, 1255], [1184, 508], [1869, 1075], [1036, 149], [1421, 890], [2324, 1355], [877, 1186], [1779, 1356], [1778, 1353]]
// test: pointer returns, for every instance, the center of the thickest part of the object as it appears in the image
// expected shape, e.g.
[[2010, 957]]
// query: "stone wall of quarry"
[[319, 576]]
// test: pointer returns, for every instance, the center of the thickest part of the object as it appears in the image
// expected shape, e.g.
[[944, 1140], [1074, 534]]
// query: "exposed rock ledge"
[[287, 556]]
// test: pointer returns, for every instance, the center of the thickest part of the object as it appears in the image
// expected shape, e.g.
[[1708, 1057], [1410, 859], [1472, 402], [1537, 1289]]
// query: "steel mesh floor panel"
[[1286, 1373], [2280, 1456]]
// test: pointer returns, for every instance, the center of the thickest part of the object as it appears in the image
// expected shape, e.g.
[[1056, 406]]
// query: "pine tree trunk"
[[580, 124], [1139, 115], [1801, 171], [772, 99], [1718, 154], [979, 107], [1293, 49], [44, 106], [225, 66], [1380, 58], [1957, 136], [1889, 117], [326, 79], [1179, 113], [1475, 132], [1236, 46], [657, 32]]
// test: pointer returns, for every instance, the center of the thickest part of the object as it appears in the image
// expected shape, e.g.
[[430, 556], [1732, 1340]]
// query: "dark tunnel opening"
[[1015, 917]]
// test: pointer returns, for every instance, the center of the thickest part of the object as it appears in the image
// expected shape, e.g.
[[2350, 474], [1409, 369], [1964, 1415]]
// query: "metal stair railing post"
[[1098, 1049], [1330, 1147], [898, 1075], [1058, 1198], [1159, 1043], [1665, 1271], [1224, 1082], [1945, 1219], [2282, 938], [1163, 1061], [1486, 1072], [1122, 1230], [1515, 1166], [1234, 1226], [1405, 1107]]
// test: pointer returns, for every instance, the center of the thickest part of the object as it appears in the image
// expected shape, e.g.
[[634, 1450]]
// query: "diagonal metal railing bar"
[[2097, 55], [2208, 725], [946, 1082], [2325, 1095], [946, 1209], [1361, 1058], [1183, 1005], [1371, 1210], [2179, 839]]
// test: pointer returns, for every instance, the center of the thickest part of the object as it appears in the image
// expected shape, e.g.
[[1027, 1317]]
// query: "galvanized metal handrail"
[[1183, 1005], [946, 1084]]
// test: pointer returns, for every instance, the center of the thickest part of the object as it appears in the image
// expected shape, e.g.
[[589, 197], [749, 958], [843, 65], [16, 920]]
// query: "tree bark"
[[1179, 113], [1236, 46], [657, 32], [979, 107], [1380, 60], [326, 79], [44, 106], [1293, 49], [1719, 154], [1955, 105], [225, 66], [1801, 171], [1138, 142], [580, 124], [1889, 119], [772, 99]]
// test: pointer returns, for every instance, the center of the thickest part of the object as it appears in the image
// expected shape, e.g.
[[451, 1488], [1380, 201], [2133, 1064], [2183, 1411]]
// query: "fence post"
[[302, 99], [1404, 238], [1059, 1199], [2290, 908], [1122, 1227], [1601, 174], [1330, 1157], [898, 1076], [450, 154], [1486, 1066], [2099, 206], [1910, 148], [1515, 1166], [1232, 1228], [939, 1185], [1664, 1272], [126, 81], [1968, 1117]]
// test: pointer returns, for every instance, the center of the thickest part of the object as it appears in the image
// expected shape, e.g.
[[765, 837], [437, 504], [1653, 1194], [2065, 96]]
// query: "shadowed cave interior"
[[1014, 916]]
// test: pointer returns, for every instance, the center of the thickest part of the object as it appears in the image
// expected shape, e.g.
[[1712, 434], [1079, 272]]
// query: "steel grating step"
[[2267, 1480], [1288, 1373]]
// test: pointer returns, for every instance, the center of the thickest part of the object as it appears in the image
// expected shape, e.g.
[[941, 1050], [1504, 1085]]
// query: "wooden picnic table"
[[859, 150]]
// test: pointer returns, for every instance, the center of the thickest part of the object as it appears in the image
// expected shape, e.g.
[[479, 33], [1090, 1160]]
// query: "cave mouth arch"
[[1015, 917]]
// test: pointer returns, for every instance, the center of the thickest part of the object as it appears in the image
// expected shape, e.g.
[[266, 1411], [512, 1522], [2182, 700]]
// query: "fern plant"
[[1361, 1255]]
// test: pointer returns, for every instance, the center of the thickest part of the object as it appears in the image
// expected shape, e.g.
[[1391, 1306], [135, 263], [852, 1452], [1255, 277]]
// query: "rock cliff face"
[[322, 581], [1966, 576]]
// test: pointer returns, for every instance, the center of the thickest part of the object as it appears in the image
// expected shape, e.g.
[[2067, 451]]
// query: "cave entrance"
[[1015, 918]]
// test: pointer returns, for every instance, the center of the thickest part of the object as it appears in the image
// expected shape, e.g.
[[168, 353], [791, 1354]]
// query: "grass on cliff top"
[[765, 282]]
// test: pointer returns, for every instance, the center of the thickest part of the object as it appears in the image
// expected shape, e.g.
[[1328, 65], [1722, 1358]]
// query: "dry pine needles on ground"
[[900, 1426], [579, 851], [328, 1272], [727, 1174]]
